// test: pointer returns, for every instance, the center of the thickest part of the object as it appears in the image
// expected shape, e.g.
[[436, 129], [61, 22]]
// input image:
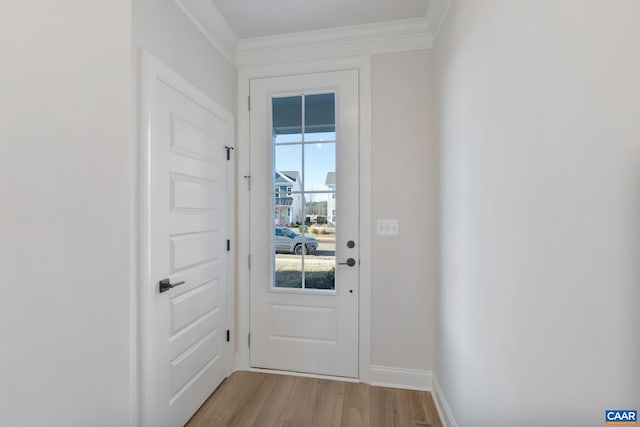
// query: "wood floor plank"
[[275, 405], [253, 401], [431, 410], [417, 408], [266, 400], [405, 413], [206, 422], [301, 402], [355, 408], [382, 411], [329, 400]]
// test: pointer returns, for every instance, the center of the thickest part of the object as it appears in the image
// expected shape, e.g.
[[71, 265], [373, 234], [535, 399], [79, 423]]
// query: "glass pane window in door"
[[287, 168], [304, 164], [320, 117], [287, 269], [287, 119], [320, 265], [319, 166]]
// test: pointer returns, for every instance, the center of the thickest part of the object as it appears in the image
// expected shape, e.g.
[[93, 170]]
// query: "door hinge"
[[249, 340], [248, 178], [249, 261], [249, 103], [228, 335], [228, 245]]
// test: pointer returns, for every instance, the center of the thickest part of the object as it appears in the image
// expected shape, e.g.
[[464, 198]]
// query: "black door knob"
[[350, 262], [165, 285]]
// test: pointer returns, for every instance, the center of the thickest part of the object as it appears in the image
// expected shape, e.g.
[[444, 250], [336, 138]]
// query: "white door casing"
[[305, 330], [184, 230]]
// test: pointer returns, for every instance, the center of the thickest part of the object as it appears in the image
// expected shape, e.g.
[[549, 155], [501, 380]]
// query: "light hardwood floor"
[[257, 399]]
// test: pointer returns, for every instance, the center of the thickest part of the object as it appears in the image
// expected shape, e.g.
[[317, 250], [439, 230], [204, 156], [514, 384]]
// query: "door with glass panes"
[[304, 223]]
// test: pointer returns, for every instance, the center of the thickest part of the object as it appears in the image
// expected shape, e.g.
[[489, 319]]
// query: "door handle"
[[350, 262], [165, 285]]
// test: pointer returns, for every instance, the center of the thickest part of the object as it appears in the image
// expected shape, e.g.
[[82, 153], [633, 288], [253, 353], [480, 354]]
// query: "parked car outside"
[[288, 241]]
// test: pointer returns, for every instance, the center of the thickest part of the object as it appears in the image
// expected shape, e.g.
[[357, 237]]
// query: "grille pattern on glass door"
[[304, 191]]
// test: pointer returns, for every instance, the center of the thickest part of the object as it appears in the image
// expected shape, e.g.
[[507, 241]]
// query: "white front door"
[[184, 324], [304, 223]]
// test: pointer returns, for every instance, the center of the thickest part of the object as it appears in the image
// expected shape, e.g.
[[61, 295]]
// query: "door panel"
[[292, 322], [188, 250], [185, 357], [304, 168], [197, 302]]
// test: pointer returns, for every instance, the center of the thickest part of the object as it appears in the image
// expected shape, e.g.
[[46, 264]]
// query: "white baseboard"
[[304, 374], [410, 379], [446, 416]]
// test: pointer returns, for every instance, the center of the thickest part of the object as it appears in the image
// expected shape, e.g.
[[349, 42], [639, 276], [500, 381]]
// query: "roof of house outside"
[[287, 176], [331, 179]]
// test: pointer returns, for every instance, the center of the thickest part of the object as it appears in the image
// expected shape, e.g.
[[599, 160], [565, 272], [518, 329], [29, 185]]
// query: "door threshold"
[[305, 374]]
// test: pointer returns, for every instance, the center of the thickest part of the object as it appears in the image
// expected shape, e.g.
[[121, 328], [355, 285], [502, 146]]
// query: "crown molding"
[[382, 37], [436, 15], [208, 19], [392, 36], [340, 42]]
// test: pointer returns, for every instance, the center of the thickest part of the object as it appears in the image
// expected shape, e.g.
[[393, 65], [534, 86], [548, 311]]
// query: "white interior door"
[[304, 223], [186, 212]]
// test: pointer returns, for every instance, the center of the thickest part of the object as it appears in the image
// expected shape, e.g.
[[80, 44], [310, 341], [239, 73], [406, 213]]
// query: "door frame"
[[152, 69], [245, 74]]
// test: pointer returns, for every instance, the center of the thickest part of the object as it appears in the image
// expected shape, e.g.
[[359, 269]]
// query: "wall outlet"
[[387, 227]]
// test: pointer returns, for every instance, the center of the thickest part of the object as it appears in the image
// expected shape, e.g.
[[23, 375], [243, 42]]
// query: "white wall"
[[403, 188], [67, 189], [540, 281], [161, 27], [65, 119]]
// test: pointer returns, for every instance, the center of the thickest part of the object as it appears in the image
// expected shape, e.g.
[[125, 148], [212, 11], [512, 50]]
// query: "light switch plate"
[[387, 227]]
